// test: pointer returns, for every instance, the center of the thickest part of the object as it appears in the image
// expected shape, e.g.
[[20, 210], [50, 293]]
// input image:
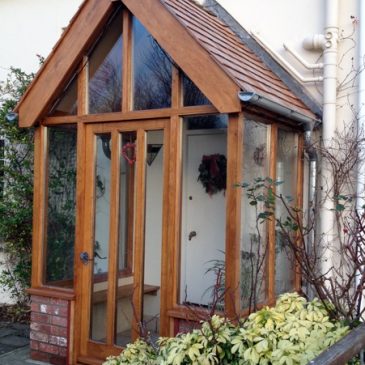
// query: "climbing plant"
[[16, 193]]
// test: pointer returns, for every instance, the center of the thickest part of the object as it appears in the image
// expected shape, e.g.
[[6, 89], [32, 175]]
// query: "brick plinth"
[[49, 329]]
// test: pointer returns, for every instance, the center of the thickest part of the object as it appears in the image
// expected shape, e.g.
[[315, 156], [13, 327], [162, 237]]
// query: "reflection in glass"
[[152, 71], [253, 234], [105, 70], [101, 237], [219, 121], [61, 202], [153, 237], [191, 94], [67, 104], [286, 171], [124, 314], [203, 212]]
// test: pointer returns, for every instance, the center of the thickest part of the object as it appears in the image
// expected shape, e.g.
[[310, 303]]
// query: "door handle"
[[84, 257], [192, 234]]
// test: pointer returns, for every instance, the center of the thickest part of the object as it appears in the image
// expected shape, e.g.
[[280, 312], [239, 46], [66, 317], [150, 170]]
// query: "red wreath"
[[129, 152]]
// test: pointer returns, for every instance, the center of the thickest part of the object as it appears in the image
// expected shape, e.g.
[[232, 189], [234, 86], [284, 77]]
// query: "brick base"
[[49, 329]]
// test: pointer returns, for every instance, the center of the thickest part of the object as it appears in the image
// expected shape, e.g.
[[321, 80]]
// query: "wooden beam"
[[40, 155], [233, 213], [174, 209], [139, 232], [63, 60], [133, 115], [299, 202], [185, 50], [127, 62], [271, 292]]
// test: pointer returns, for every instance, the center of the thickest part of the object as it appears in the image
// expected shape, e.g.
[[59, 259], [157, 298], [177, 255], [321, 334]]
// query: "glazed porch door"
[[121, 261]]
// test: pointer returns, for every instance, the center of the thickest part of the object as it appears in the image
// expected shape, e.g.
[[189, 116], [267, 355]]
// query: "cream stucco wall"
[[290, 21], [31, 27]]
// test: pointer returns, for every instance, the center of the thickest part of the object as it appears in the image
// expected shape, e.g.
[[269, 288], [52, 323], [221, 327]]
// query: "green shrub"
[[16, 190], [293, 332]]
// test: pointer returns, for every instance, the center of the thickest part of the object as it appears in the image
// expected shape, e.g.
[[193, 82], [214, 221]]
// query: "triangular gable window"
[[67, 102], [191, 94], [152, 71], [149, 69], [105, 69]]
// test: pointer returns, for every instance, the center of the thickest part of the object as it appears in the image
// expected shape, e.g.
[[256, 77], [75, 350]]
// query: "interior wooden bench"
[[124, 291]]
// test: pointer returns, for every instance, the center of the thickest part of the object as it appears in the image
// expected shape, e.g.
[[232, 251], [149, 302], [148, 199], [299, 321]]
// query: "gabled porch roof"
[[201, 44]]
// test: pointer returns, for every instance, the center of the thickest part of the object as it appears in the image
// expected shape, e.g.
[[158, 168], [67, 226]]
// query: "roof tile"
[[235, 58]]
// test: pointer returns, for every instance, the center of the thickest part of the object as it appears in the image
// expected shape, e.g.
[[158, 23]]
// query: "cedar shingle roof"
[[236, 59]]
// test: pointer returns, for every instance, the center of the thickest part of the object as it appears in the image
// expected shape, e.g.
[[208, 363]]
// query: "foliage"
[[331, 263], [16, 189], [293, 332]]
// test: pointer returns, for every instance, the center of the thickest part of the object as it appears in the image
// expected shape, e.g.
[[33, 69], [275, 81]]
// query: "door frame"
[[87, 350]]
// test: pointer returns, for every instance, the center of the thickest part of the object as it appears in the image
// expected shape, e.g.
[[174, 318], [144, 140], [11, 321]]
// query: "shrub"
[[16, 190], [293, 332]]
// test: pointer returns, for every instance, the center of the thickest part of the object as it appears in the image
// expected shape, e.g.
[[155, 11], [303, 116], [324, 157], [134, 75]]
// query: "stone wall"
[[49, 330]]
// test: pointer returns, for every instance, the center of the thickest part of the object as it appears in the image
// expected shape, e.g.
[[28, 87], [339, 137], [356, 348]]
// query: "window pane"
[[127, 192], [101, 237], [152, 70], [192, 95], [203, 213], [286, 171], [253, 234], [67, 104], [153, 233], [105, 70], [207, 122], [61, 203]]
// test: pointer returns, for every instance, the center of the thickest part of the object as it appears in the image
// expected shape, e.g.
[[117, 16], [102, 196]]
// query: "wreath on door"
[[213, 173]]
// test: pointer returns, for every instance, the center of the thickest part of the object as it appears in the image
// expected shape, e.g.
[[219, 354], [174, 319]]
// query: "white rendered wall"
[[290, 21], [31, 27]]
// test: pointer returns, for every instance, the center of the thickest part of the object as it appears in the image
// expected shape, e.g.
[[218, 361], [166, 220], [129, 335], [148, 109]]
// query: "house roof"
[[249, 71], [217, 58]]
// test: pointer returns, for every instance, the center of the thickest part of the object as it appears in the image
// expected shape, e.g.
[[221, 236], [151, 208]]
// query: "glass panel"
[[152, 70], [105, 70], [207, 122], [286, 171], [204, 213], [101, 237], [67, 104], [192, 95], [253, 233], [153, 234], [124, 314], [61, 202]]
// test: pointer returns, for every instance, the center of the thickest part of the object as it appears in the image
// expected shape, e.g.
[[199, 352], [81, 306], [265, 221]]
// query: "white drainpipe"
[[327, 219], [330, 71]]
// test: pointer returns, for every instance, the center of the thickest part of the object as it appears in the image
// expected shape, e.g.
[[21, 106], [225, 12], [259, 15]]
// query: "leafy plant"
[[16, 198], [293, 332]]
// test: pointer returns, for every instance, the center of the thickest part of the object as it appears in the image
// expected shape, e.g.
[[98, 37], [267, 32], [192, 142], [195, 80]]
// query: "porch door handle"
[[84, 257], [192, 234]]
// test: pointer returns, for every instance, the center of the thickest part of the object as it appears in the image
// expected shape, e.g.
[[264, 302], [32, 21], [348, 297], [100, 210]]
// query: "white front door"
[[203, 229]]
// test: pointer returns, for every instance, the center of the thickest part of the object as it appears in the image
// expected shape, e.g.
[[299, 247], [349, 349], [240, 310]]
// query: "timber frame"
[[70, 57]]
